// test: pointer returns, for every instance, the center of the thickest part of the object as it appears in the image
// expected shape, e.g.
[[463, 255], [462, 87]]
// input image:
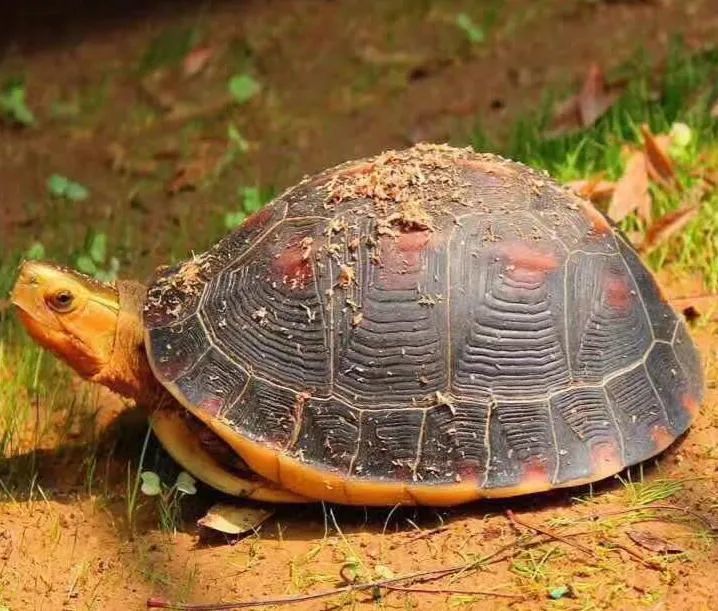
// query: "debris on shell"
[[306, 246], [446, 400], [260, 315], [347, 276], [408, 188], [188, 277], [430, 300]]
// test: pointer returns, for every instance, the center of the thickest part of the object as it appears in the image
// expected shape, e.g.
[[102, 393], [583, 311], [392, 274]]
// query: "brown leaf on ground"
[[234, 519], [653, 543], [595, 98], [659, 164], [197, 59], [666, 226], [585, 108], [192, 173], [596, 189], [631, 192]]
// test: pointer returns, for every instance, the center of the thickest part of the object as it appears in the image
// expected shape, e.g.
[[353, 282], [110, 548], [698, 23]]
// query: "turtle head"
[[93, 326]]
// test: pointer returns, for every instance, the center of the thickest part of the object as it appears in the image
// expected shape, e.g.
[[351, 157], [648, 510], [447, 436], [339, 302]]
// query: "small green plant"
[[475, 34], [61, 187], [243, 87], [169, 497], [94, 262], [35, 251], [13, 105], [253, 199]]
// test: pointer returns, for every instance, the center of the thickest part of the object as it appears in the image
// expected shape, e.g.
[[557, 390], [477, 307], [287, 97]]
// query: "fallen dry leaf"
[[653, 543], [631, 192], [234, 519], [192, 173], [585, 108], [666, 226], [197, 59], [659, 164], [594, 98], [597, 190]]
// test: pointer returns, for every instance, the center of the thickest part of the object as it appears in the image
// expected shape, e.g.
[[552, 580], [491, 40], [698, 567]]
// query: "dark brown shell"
[[427, 318]]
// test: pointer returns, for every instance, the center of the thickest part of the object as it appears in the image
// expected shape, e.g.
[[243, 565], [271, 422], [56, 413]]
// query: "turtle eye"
[[61, 301]]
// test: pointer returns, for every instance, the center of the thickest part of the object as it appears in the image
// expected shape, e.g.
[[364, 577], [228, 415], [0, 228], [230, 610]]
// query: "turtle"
[[427, 326]]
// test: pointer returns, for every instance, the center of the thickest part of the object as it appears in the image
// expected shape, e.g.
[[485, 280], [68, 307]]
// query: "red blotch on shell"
[[690, 405], [293, 266], [618, 293], [470, 471], [257, 220], [661, 437], [606, 459], [402, 259], [211, 405], [527, 264], [535, 473], [491, 171]]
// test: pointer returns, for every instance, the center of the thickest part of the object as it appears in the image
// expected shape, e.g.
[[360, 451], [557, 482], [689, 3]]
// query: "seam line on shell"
[[639, 294], [569, 364], [213, 342], [550, 232], [655, 390], [328, 336], [360, 420], [554, 477], [419, 446], [487, 442], [238, 398], [621, 439], [676, 325], [448, 351], [675, 354]]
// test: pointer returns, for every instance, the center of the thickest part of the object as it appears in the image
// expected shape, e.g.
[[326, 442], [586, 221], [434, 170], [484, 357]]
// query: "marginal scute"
[[428, 326], [663, 318], [639, 412], [520, 443], [678, 394]]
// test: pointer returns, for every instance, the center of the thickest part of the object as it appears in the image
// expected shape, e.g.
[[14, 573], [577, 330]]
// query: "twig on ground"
[[503, 553], [635, 555], [549, 533], [416, 590]]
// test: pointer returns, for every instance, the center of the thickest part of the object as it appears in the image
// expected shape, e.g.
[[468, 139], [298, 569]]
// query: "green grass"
[[681, 91]]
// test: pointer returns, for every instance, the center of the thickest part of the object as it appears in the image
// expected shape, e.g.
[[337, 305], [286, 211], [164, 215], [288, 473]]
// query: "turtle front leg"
[[184, 446]]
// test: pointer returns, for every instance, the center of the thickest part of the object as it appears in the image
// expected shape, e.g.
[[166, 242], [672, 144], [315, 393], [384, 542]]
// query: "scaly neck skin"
[[128, 372]]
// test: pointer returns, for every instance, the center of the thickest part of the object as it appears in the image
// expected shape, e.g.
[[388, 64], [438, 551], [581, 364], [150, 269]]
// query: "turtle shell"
[[428, 326]]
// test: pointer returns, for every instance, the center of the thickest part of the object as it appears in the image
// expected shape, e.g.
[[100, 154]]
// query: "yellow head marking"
[[70, 314]]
